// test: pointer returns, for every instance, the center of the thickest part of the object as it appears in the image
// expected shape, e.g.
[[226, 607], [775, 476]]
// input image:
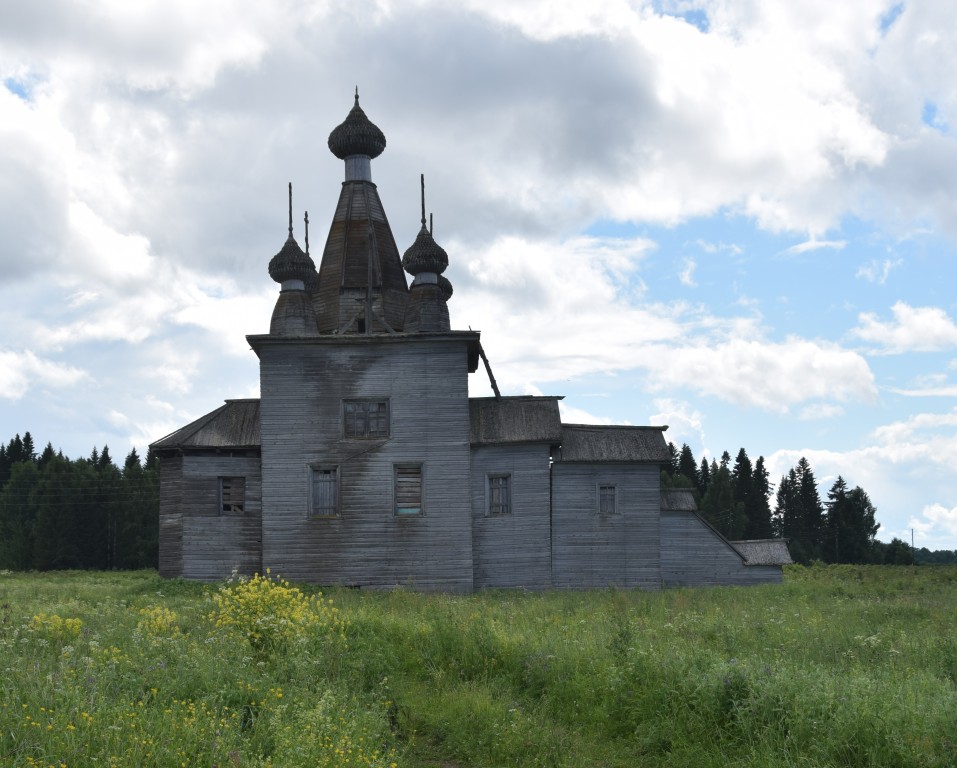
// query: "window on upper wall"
[[499, 494], [607, 500], [408, 489], [365, 418], [232, 495], [324, 500]]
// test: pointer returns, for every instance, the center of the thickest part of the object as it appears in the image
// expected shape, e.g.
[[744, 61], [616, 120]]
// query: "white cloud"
[[820, 411], [913, 329], [771, 376], [877, 271], [686, 275], [685, 422], [935, 520], [816, 245], [22, 371]]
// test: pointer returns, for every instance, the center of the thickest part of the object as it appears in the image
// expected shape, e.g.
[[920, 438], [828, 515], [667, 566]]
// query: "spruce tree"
[[758, 508], [687, 465], [704, 477]]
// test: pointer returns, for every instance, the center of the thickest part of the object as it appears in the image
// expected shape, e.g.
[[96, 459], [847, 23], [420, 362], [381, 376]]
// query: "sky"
[[737, 218]]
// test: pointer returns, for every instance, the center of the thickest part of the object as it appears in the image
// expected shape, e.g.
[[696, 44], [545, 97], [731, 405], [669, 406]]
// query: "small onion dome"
[[357, 135], [446, 287], [292, 263], [425, 255]]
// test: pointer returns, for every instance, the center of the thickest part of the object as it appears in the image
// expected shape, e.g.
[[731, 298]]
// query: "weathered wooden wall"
[[693, 555], [196, 541], [512, 550], [303, 385], [591, 550]]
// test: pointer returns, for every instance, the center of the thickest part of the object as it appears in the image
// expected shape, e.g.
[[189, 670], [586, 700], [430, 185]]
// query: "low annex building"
[[365, 462]]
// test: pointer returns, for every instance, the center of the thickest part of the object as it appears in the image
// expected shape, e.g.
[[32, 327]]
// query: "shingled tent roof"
[[764, 551], [234, 425], [588, 443], [496, 420]]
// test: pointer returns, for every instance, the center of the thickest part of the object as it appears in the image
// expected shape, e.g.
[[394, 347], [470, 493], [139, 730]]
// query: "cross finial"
[[290, 209], [307, 233], [422, 181], [357, 95]]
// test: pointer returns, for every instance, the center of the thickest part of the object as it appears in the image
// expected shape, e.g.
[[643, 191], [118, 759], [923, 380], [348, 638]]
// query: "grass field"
[[838, 666]]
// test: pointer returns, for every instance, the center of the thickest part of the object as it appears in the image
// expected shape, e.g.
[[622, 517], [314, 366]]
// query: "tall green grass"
[[838, 666]]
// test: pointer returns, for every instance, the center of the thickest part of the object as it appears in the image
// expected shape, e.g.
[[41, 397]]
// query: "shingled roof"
[[764, 551], [232, 426], [586, 443], [497, 420]]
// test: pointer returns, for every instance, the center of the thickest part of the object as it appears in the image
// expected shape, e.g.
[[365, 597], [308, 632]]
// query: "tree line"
[[58, 513], [736, 500]]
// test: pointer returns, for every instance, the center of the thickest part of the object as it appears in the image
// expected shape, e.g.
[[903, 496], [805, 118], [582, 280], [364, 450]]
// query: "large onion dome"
[[357, 135]]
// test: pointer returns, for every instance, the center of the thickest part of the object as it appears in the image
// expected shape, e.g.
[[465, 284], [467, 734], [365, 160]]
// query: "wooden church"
[[365, 462]]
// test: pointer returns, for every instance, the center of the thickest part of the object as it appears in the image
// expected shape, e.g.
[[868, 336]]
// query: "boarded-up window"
[[325, 491], [499, 495], [365, 418], [607, 500], [408, 490], [232, 495]]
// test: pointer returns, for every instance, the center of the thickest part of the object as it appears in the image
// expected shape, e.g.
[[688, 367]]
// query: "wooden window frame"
[[315, 510], [361, 422], [601, 497], [495, 484], [402, 504], [230, 488]]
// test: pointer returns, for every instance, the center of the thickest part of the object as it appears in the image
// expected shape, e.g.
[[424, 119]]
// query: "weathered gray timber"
[[593, 549], [693, 554], [512, 549], [198, 541], [365, 463], [233, 426], [304, 385], [499, 420]]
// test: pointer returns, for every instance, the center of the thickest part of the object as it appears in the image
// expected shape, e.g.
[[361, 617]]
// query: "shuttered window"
[[232, 495], [607, 500], [408, 489], [499, 495], [365, 418], [325, 491]]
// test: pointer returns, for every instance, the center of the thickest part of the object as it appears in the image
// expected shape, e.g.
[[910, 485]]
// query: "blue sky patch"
[[891, 15], [20, 88]]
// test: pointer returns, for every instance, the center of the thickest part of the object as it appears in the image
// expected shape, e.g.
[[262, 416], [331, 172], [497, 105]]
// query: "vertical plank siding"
[[591, 550]]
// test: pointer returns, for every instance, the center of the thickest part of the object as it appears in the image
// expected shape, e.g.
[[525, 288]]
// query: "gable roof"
[[231, 426], [764, 551], [498, 420], [589, 443]]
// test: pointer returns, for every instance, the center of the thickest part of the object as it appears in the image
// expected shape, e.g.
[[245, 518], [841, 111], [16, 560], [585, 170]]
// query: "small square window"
[[232, 495], [499, 494], [365, 418], [408, 490], [325, 492], [607, 500]]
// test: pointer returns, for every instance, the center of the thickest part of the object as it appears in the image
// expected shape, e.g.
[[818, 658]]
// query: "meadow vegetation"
[[840, 665]]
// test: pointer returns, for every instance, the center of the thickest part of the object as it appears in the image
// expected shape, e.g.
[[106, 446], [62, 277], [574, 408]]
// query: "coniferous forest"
[[58, 513], [89, 513], [738, 499]]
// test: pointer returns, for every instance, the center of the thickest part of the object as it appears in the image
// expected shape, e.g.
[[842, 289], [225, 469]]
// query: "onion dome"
[[292, 263], [425, 255], [357, 135], [446, 287]]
